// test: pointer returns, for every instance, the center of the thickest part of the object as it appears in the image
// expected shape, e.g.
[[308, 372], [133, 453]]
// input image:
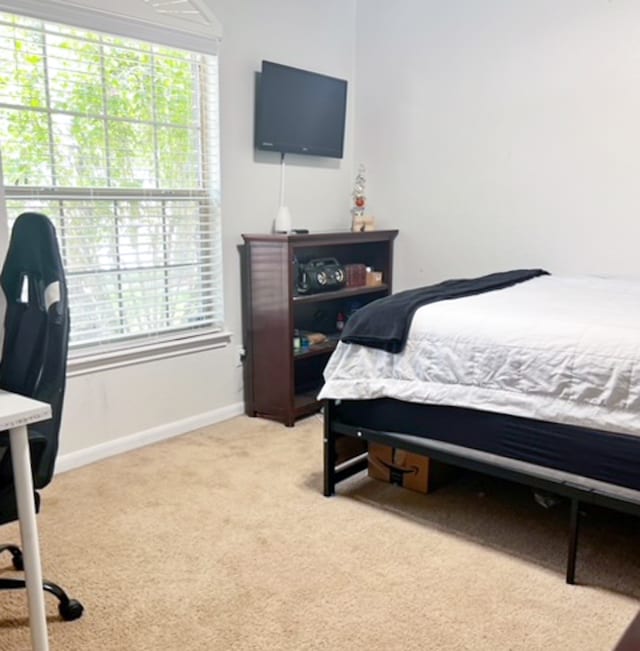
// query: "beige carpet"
[[221, 539]]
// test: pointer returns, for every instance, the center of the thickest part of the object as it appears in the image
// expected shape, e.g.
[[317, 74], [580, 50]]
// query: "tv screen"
[[301, 112]]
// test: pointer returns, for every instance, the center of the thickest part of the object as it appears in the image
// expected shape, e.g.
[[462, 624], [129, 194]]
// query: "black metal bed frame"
[[576, 488]]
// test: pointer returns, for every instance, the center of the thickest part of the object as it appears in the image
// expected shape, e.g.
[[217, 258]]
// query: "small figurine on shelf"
[[359, 221]]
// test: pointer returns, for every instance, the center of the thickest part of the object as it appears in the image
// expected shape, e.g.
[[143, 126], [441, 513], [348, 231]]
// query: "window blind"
[[116, 140]]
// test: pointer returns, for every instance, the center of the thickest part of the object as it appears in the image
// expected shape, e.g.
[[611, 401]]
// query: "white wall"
[[501, 134], [495, 134], [315, 35]]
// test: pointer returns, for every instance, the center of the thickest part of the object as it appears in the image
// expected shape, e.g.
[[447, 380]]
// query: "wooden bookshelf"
[[282, 383]]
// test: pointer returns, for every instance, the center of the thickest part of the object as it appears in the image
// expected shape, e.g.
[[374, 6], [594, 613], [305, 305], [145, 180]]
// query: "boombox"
[[320, 275]]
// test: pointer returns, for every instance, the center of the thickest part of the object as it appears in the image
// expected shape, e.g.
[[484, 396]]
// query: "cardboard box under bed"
[[406, 469]]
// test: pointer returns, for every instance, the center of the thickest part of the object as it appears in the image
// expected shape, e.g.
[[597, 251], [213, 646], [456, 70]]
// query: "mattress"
[[605, 456], [562, 349]]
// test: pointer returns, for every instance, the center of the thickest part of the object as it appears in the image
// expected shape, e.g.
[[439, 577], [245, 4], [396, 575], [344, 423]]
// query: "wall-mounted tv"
[[299, 111]]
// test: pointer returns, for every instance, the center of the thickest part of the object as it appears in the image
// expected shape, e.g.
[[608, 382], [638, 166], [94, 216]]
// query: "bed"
[[525, 375]]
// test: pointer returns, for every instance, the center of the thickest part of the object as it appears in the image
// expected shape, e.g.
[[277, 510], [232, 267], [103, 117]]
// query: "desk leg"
[[21, 459]]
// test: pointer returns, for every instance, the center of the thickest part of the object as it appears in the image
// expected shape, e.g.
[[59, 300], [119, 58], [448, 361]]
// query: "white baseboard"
[[86, 456]]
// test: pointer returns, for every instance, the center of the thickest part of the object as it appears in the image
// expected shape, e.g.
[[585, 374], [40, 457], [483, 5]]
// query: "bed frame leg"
[[573, 541], [329, 452]]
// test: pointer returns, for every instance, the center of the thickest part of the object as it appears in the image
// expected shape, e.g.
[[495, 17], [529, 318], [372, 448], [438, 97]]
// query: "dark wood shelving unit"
[[280, 383], [342, 293], [316, 349], [306, 403]]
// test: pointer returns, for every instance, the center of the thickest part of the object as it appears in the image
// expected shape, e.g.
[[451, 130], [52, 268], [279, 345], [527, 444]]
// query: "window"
[[116, 141]]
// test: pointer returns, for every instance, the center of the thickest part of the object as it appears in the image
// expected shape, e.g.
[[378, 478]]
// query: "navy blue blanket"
[[385, 323]]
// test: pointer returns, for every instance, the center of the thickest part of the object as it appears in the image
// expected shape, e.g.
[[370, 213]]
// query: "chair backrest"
[[36, 330]]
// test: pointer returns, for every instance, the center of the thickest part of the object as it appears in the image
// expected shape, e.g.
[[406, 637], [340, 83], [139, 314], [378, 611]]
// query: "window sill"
[[83, 363]]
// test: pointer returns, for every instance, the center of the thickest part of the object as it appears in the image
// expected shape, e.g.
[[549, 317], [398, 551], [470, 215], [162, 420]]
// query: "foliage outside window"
[[116, 141]]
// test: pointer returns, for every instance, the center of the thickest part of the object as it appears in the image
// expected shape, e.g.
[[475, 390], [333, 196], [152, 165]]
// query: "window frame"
[[179, 340]]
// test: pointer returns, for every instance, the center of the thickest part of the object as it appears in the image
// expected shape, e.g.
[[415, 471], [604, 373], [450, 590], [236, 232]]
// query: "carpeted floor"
[[221, 539]]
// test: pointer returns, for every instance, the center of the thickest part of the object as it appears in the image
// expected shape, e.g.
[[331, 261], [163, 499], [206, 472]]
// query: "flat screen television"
[[299, 111]]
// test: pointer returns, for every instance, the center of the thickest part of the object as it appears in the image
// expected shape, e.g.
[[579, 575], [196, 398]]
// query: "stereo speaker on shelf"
[[321, 274]]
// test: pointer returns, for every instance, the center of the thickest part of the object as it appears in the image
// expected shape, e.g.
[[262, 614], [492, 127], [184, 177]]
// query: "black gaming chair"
[[34, 363]]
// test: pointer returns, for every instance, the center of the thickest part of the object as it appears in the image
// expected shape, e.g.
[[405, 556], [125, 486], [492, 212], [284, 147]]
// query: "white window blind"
[[116, 140]]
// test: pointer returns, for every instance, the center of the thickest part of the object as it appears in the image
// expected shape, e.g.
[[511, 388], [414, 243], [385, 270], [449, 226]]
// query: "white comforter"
[[555, 348]]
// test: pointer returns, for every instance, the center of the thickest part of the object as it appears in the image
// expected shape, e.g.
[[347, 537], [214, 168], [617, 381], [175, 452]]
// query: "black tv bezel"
[[305, 150]]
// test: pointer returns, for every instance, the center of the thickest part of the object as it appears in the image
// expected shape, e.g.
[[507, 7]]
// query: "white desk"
[[16, 412]]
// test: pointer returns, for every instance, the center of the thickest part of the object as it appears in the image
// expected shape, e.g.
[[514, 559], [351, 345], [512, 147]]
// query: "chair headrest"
[[33, 250]]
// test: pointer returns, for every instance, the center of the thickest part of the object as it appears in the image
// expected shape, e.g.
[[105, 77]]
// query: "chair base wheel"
[[16, 556], [73, 609]]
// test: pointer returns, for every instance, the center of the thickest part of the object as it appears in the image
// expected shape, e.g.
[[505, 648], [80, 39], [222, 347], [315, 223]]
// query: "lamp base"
[[282, 223]]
